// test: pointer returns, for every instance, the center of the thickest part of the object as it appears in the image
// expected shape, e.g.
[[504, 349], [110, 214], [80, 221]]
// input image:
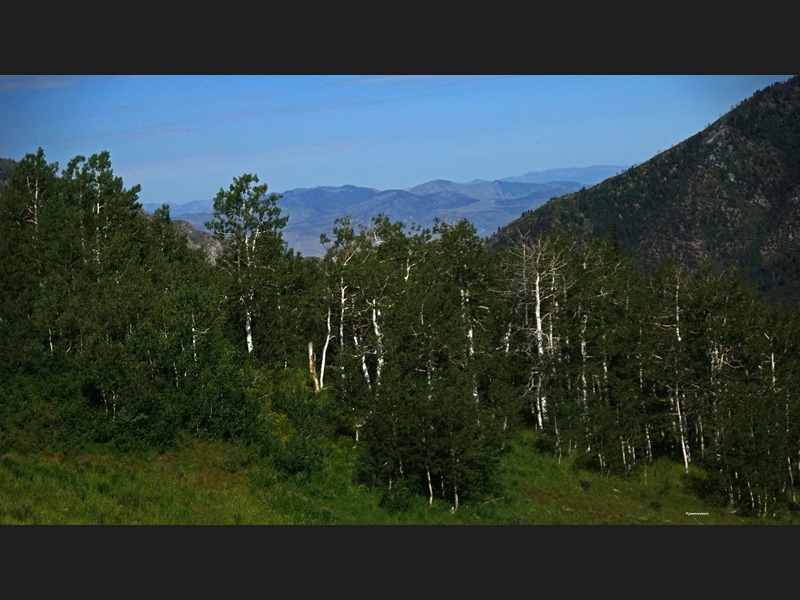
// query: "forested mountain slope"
[[728, 196]]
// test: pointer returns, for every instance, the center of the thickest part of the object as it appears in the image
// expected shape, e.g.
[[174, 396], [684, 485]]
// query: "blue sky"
[[183, 137]]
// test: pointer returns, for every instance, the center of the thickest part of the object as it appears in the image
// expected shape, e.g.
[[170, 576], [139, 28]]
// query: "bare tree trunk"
[[584, 399], [682, 424], [97, 208], [325, 352], [34, 210], [342, 288], [470, 339], [194, 340], [375, 314], [681, 427], [312, 367], [364, 369], [677, 310], [538, 315], [248, 324]]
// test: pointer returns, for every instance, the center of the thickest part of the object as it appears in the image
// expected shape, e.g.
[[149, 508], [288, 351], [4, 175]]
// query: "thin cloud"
[[170, 126], [127, 136], [34, 82], [135, 108], [427, 80]]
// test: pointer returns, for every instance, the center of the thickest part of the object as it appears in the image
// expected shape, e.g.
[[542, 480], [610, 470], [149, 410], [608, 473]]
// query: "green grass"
[[544, 490], [214, 482]]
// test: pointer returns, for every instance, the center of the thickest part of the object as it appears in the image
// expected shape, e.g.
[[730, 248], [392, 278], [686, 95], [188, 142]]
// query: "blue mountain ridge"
[[487, 204]]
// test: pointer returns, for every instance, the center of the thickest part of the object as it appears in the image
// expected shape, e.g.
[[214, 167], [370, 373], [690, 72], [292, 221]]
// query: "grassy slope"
[[208, 482]]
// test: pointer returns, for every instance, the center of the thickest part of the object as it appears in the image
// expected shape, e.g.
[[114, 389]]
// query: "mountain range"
[[487, 204], [728, 197], [312, 211]]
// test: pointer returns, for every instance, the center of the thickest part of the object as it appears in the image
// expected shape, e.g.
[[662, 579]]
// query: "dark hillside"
[[6, 168], [198, 239], [728, 196]]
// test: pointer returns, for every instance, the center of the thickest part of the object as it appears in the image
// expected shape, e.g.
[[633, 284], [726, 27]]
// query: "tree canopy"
[[424, 348]]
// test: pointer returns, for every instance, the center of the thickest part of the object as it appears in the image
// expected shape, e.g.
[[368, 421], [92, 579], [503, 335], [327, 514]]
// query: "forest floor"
[[223, 483]]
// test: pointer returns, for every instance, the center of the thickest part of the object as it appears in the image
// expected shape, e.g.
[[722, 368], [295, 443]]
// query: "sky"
[[182, 138]]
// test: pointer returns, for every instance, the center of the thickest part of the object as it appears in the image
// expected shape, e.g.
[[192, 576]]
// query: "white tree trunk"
[[312, 367], [248, 327], [681, 427], [470, 340], [342, 288], [364, 368], [325, 352], [375, 314], [677, 310], [584, 398], [430, 486], [539, 332], [194, 339]]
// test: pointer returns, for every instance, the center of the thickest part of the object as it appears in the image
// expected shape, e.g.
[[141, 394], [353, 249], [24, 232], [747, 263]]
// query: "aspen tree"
[[667, 364], [99, 197], [29, 240], [248, 224], [534, 281]]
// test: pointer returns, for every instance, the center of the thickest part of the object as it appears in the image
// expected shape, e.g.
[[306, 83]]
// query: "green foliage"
[[399, 498], [247, 222], [414, 370], [427, 355], [113, 318], [300, 458]]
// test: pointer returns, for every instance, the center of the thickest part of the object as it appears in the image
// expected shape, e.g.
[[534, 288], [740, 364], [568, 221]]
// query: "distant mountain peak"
[[311, 211], [586, 175]]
